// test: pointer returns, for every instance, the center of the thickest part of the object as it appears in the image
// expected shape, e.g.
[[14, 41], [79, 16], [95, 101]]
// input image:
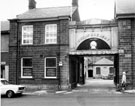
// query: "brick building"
[[38, 45], [125, 16], [47, 46]]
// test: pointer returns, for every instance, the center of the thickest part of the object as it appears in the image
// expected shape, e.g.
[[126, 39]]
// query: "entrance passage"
[[94, 71], [97, 86], [90, 73]]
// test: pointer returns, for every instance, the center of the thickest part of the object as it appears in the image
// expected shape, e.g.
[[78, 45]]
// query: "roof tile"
[[50, 12]]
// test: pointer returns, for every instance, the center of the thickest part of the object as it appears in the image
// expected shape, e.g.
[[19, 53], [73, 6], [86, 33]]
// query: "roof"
[[97, 21], [125, 7], [51, 12], [104, 61], [5, 25]]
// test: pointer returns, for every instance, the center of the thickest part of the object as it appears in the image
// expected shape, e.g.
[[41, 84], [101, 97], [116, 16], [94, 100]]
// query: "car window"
[[4, 82]]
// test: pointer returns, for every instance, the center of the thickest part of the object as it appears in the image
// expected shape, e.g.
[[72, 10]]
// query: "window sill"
[[38, 44], [26, 77], [50, 77]]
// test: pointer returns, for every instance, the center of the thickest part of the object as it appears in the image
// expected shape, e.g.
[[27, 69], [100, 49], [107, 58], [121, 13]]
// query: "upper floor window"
[[27, 34], [51, 34]]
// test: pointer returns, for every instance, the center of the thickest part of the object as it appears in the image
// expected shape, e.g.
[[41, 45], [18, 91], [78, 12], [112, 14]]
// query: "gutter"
[[123, 16], [44, 19]]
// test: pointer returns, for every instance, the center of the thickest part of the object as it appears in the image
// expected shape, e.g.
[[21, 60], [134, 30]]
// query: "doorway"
[[90, 73]]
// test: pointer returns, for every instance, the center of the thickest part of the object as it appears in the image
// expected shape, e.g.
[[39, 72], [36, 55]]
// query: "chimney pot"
[[75, 3], [32, 4]]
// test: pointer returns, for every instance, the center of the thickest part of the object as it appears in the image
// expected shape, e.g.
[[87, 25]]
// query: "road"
[[71, 100], [89, 95]]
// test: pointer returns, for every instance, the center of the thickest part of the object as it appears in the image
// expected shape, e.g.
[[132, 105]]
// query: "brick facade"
[[38, 51], [126, 42]]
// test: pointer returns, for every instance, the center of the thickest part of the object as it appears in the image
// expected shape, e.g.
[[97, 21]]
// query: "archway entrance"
[[87, 67], [93, 61], [93, 53]]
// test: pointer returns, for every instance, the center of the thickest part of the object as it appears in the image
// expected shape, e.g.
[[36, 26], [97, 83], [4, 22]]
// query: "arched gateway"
[[91, 40]]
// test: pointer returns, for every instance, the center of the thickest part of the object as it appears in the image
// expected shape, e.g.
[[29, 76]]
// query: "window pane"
[[51, 33], [27, 34], [27, 62], [27, 71], [111, 70], [98, 70], [51, 62], [51, 72]]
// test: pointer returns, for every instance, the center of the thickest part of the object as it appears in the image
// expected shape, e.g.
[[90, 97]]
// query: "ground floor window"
[[26, 67], [50, 67], [111, 70], [98, 72]]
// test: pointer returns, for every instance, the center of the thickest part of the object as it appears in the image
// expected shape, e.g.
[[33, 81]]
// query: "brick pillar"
[[133, 51], [12, 51], [64, 49], [125, 43]]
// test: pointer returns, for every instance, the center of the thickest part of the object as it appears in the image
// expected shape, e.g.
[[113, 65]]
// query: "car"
[[9, 89]]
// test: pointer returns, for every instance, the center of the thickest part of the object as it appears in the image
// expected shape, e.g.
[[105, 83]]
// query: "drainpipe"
[[132, 53], [17, 52], [59, 85]]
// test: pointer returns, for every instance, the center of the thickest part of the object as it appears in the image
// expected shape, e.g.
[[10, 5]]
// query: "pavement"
[[92, 86], [130, 91]]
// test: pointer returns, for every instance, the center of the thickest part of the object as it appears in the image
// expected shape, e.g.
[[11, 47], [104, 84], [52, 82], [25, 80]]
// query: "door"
[[90, 73]]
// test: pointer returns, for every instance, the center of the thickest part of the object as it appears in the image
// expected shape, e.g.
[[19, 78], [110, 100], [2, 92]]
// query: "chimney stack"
[[32, 4], [75, 3]]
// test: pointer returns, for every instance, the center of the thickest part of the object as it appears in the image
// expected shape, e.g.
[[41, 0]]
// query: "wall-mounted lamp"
[[60, 63]]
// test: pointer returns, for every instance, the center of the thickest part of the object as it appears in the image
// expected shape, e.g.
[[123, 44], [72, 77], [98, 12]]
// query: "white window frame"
[[49, 67], [52, 33], [27, 38], [22, 76]]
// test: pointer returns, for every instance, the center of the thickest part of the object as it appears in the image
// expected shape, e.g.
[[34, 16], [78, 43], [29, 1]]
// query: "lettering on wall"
[[105, 37]]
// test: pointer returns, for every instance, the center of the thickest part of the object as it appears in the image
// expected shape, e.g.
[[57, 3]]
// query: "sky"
[[88, 9]]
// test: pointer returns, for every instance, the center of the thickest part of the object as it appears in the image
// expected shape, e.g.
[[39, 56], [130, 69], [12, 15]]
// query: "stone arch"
[[87, 44]]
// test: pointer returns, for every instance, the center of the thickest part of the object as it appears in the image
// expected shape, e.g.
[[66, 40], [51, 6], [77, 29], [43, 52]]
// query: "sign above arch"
[[92, 44], [97, 35], [107, 35]]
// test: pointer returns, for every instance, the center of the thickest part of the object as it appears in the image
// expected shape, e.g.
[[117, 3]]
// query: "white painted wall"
[[104, 71]]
